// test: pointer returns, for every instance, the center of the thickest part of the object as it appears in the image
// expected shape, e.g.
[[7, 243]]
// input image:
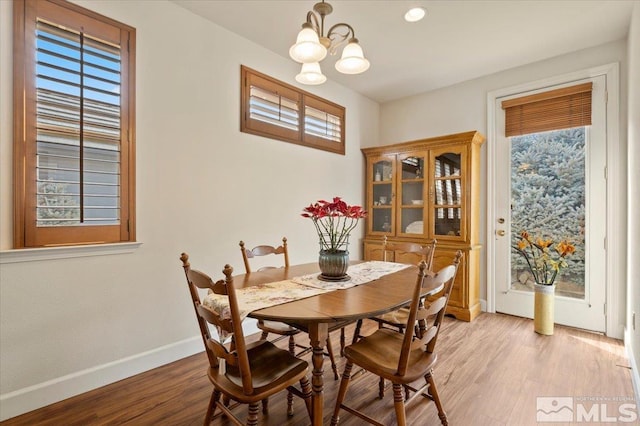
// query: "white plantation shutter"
[[277, 110]]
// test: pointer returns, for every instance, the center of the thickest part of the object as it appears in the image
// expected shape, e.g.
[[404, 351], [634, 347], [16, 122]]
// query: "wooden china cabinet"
[[426, 189]]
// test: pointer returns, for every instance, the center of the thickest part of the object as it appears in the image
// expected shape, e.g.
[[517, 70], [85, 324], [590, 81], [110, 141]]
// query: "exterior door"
[[554, 182]]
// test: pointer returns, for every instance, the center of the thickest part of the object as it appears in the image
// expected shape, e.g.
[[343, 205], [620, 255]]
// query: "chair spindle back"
[[264, 250], [425, 251], [433, 311], [236, 355]]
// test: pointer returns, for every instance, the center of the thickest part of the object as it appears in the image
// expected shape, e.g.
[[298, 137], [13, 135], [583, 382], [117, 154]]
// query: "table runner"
[[276, 293], [359, 274]]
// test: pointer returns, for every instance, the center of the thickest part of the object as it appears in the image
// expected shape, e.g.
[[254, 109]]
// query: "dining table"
[[337, 305]]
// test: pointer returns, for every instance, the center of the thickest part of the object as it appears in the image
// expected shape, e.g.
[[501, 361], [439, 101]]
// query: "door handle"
[[501, 232]]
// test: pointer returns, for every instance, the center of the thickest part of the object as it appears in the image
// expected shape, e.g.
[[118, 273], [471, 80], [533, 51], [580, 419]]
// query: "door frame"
[[616, 219]]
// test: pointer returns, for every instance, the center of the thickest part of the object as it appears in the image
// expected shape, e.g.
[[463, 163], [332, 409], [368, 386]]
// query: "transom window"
[[276, 110]]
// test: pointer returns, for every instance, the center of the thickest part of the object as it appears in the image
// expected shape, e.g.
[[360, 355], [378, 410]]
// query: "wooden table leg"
[[318, 334]]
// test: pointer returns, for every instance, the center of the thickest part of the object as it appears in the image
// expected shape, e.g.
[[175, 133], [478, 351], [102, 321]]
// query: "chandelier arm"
[[312, 19], [342, 24], [311, 48], [337, 38]]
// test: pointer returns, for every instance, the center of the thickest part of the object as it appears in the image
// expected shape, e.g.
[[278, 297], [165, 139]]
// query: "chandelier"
[[312, 46]]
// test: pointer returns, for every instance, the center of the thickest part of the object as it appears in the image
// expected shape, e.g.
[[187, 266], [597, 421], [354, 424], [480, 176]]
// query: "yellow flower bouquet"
[[543, 262]]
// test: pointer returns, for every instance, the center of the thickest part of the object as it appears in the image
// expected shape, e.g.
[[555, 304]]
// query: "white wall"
[[69, 325], [633, 255], [203, 186], [463, 107]]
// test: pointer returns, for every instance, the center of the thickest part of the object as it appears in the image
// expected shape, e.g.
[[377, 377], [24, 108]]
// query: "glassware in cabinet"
[[411, 193], [381, 195], [447, 193]]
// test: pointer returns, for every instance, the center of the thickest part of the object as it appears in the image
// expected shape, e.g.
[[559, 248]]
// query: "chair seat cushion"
[[398, 318], [277, 328], [272, 370], [379, 353]]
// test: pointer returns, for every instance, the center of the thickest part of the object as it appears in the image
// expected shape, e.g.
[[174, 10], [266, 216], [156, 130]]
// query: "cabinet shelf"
[[444, 172]]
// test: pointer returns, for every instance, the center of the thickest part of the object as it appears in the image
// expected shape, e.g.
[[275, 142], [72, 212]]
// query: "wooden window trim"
[[25, 232], [249, 76]]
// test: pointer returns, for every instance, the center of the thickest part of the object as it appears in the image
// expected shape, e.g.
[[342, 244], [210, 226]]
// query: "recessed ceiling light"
[[415, 14]]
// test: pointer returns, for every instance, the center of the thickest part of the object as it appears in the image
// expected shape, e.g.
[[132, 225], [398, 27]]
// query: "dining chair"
[[400, 357], [406, 253], [248, 373], [264, 250], [275, 327]]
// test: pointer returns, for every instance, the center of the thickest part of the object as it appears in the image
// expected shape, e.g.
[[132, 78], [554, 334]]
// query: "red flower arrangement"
[[334, 221]]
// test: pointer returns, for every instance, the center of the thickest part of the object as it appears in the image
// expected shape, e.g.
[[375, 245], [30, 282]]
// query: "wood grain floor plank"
[[490, 372]]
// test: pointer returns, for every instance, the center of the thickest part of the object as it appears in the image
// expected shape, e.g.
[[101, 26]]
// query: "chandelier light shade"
[[311, 74], [312, 46], [307, 47], [352, 61]]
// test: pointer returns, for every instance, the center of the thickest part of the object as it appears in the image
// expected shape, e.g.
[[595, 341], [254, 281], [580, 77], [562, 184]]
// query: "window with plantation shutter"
[[272, 110], [276, 110], [74, 147], [321, 124]]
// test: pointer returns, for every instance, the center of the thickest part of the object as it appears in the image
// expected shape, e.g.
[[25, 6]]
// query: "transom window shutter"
[[78, 127], [276, 110], [271, 110], [322, 124], [552, 110], [270, 107]]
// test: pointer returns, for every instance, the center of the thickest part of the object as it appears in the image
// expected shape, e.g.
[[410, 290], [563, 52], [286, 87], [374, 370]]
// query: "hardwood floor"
[[490, 372]]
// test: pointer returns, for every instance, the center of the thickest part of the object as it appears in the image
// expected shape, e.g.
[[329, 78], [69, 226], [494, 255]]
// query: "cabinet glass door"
[[411, 194], [381, 211], [448, 209]]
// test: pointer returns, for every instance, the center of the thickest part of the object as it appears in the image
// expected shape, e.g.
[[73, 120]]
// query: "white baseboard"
[[635, 376], [483, 305], [42, 394]]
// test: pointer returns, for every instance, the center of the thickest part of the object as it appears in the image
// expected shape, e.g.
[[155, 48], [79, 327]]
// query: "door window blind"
[[552, 110]]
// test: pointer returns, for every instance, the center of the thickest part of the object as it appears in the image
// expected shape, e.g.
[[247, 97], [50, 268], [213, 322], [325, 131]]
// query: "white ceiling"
[[458, 40]]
